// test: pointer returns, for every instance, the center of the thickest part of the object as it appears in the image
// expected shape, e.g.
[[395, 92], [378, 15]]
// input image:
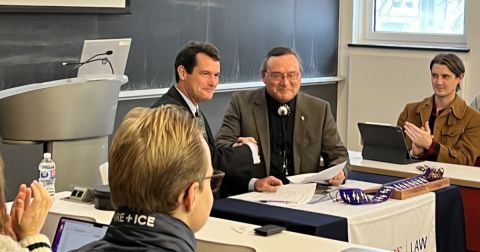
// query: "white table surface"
[[386, 225], [216, 235], [461, 175], [222, 231]]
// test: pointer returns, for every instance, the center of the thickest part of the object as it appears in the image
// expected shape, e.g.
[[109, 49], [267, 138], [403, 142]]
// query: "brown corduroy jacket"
[[456, 129]]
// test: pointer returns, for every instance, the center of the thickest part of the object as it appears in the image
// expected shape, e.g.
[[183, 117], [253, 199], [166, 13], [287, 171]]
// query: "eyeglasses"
[[216, 180], [276, 76], [331, 192]]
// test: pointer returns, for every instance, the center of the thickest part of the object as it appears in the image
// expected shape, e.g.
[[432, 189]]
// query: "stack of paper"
[[319, 177], [286, 194]]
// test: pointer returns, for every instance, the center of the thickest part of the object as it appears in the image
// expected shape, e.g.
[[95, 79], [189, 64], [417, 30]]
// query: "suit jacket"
[[457, 129], [235, 162], [315, 132]]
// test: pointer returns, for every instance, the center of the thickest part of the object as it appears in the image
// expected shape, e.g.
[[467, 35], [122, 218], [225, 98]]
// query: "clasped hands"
[[421, 138]]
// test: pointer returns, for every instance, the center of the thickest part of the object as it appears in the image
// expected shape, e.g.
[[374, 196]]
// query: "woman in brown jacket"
[[443, 127]]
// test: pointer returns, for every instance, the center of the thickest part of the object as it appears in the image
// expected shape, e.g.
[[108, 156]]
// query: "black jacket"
[[236, 162], [166, 234]]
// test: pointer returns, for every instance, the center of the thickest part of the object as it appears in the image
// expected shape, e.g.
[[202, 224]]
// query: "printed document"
[[319, 177], [286, 194]]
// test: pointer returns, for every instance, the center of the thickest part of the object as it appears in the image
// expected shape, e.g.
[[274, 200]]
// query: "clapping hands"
[[27, 216]]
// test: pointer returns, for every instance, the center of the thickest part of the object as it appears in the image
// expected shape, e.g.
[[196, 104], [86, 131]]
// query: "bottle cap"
[[47, 155]]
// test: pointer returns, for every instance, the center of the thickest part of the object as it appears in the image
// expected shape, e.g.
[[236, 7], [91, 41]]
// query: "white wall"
[[379, 82]]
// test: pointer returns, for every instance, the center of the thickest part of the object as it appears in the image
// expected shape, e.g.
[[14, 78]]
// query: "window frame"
[[366, 34]]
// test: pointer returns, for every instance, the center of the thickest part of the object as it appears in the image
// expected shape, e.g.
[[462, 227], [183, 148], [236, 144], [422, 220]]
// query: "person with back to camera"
[[161, 181], [443, 127], [294, 130], [20, 231]]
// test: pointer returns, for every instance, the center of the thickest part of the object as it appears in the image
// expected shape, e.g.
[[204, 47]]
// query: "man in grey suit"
[[294, 130]]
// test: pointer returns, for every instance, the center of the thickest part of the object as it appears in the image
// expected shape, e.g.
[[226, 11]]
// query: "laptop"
[[383, 142], [115, 50], [73, 233]]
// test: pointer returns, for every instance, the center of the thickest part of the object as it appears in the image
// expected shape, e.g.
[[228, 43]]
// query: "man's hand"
[[252, 144], [421, 137], [268, 184], [244, 140], [337, 180]]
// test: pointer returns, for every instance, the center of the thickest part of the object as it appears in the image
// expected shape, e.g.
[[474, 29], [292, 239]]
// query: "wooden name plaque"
[[420, 189]]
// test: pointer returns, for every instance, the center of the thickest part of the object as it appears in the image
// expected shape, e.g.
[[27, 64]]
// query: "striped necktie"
[[201, 119]]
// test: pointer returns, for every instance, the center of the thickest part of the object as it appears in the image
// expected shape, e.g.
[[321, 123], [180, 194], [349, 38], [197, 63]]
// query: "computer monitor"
[[73, 233], [115, 50]]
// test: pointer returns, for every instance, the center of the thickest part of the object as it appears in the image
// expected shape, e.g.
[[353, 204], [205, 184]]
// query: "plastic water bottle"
[[47, 173]]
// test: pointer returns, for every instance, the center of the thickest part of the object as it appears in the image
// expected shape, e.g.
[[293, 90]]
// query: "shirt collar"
[[457, 106], [273, 104], [193, 108]]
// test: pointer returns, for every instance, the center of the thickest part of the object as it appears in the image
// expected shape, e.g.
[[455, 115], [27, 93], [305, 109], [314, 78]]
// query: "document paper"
[[319, 177], [286, 194]]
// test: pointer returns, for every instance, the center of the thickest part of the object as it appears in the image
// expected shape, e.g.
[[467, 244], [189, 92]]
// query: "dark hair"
[[452, 62], [280, 51], [187, 57]]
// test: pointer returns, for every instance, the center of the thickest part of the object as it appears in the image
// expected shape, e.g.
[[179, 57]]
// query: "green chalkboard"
[[33, 45]]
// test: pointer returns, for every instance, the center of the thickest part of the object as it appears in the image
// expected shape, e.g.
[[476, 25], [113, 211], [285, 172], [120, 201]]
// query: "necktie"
[[201, 119]]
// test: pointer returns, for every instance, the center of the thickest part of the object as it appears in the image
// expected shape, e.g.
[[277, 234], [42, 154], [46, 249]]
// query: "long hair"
[[452, 62]]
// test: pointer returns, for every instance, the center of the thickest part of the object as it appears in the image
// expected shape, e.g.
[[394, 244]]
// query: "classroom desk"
[[322, 225], [467, 177], [62, 208], [83, 211], [449, 217], [335, 227], [461, 175], [225, 235], [216, 235]]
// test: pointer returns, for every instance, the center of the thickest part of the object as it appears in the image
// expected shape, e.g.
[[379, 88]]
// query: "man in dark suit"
[[294, 130], [197, 69]]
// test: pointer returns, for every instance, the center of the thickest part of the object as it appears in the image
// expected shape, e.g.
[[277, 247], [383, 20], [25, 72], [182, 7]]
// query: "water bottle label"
[[46, 174]]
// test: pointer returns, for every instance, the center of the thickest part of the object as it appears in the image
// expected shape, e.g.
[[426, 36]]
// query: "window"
[[417, 22]]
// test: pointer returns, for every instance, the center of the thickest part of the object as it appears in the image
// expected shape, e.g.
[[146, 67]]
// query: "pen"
[[278, 201]]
